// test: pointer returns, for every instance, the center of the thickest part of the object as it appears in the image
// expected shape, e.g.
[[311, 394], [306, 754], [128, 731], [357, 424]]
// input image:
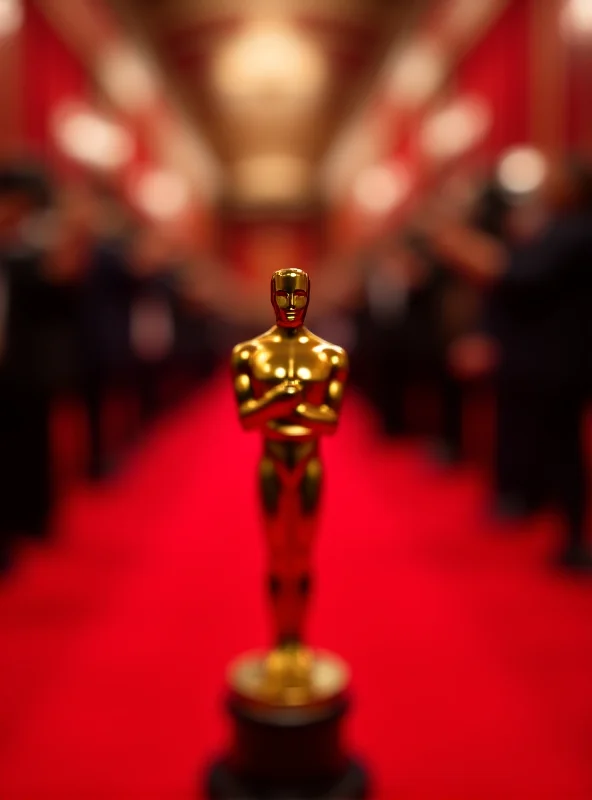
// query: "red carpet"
[[472, 662]]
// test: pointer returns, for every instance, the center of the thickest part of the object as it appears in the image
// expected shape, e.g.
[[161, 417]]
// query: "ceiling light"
[[521, 170], [415, 74], [126, 77], [457, 128], [161, 193], [11, 17], [577, 16], [274, 177], [269, 60], [358, 147], [186, 152], [381, 188], [90, 138]]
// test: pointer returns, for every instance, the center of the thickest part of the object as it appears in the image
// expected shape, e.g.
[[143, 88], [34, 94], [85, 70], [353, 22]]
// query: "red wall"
[[579, 96], [258, 247], [51, 74], [10, 94], [499, 70]]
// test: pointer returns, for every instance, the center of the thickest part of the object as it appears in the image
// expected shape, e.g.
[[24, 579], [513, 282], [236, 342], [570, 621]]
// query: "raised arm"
[[323, 419], [255, 412], [476, 255]]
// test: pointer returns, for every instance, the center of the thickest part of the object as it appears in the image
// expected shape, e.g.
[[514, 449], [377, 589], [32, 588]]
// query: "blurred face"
[[289, 297], [526, 221], [150, 253], [14, 208], [412, 269], [558, 191]]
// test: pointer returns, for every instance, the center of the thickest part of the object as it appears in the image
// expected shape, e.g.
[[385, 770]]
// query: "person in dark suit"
[[129, 324], [154, 310], [518, 490], [105, 347], [36, 253], [381, 322], [445, 308], [543, 292]]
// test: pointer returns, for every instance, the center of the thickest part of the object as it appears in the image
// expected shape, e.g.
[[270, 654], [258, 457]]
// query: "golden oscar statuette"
[[287, 704]]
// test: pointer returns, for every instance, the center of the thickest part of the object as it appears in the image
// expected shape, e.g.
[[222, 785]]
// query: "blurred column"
[[496, 69], [548, 76], [52, 75], [11, 20], [577, 29]]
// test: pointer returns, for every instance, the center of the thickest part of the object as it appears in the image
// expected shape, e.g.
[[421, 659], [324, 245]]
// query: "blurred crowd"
[[482, 287], [489, 286], [94, 304]]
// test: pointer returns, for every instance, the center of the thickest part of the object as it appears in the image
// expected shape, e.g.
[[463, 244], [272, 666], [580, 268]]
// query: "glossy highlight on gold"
[[289, 386]]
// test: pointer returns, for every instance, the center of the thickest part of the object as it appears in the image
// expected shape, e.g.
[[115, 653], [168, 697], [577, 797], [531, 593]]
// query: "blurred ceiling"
[[269, 82]]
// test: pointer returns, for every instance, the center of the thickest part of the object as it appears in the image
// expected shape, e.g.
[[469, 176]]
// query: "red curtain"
[[499, 70], [579, 97], [52, 74], [10, 94]]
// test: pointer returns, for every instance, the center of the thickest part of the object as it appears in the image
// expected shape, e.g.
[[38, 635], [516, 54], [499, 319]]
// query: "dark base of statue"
[[286, 754]]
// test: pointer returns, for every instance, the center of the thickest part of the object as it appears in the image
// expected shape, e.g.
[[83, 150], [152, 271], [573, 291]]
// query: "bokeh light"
[[90, 138], [380, 189], [521, 170]]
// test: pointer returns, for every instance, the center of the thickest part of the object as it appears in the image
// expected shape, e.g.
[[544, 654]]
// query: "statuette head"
[[290, 291]]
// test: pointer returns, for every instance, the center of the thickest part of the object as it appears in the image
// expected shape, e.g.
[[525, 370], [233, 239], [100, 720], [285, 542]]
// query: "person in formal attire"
[[130, 315], [392, 329], [519, 488], [544, 286], [154, 309], [104, 323], [37, 254], [444, 309], [195, 356]]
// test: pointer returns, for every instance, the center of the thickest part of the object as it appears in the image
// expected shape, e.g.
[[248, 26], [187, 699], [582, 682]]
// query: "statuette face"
[[290, 290]]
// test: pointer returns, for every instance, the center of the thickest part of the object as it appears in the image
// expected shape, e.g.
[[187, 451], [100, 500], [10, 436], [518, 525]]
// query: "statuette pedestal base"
[[287, 748]]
